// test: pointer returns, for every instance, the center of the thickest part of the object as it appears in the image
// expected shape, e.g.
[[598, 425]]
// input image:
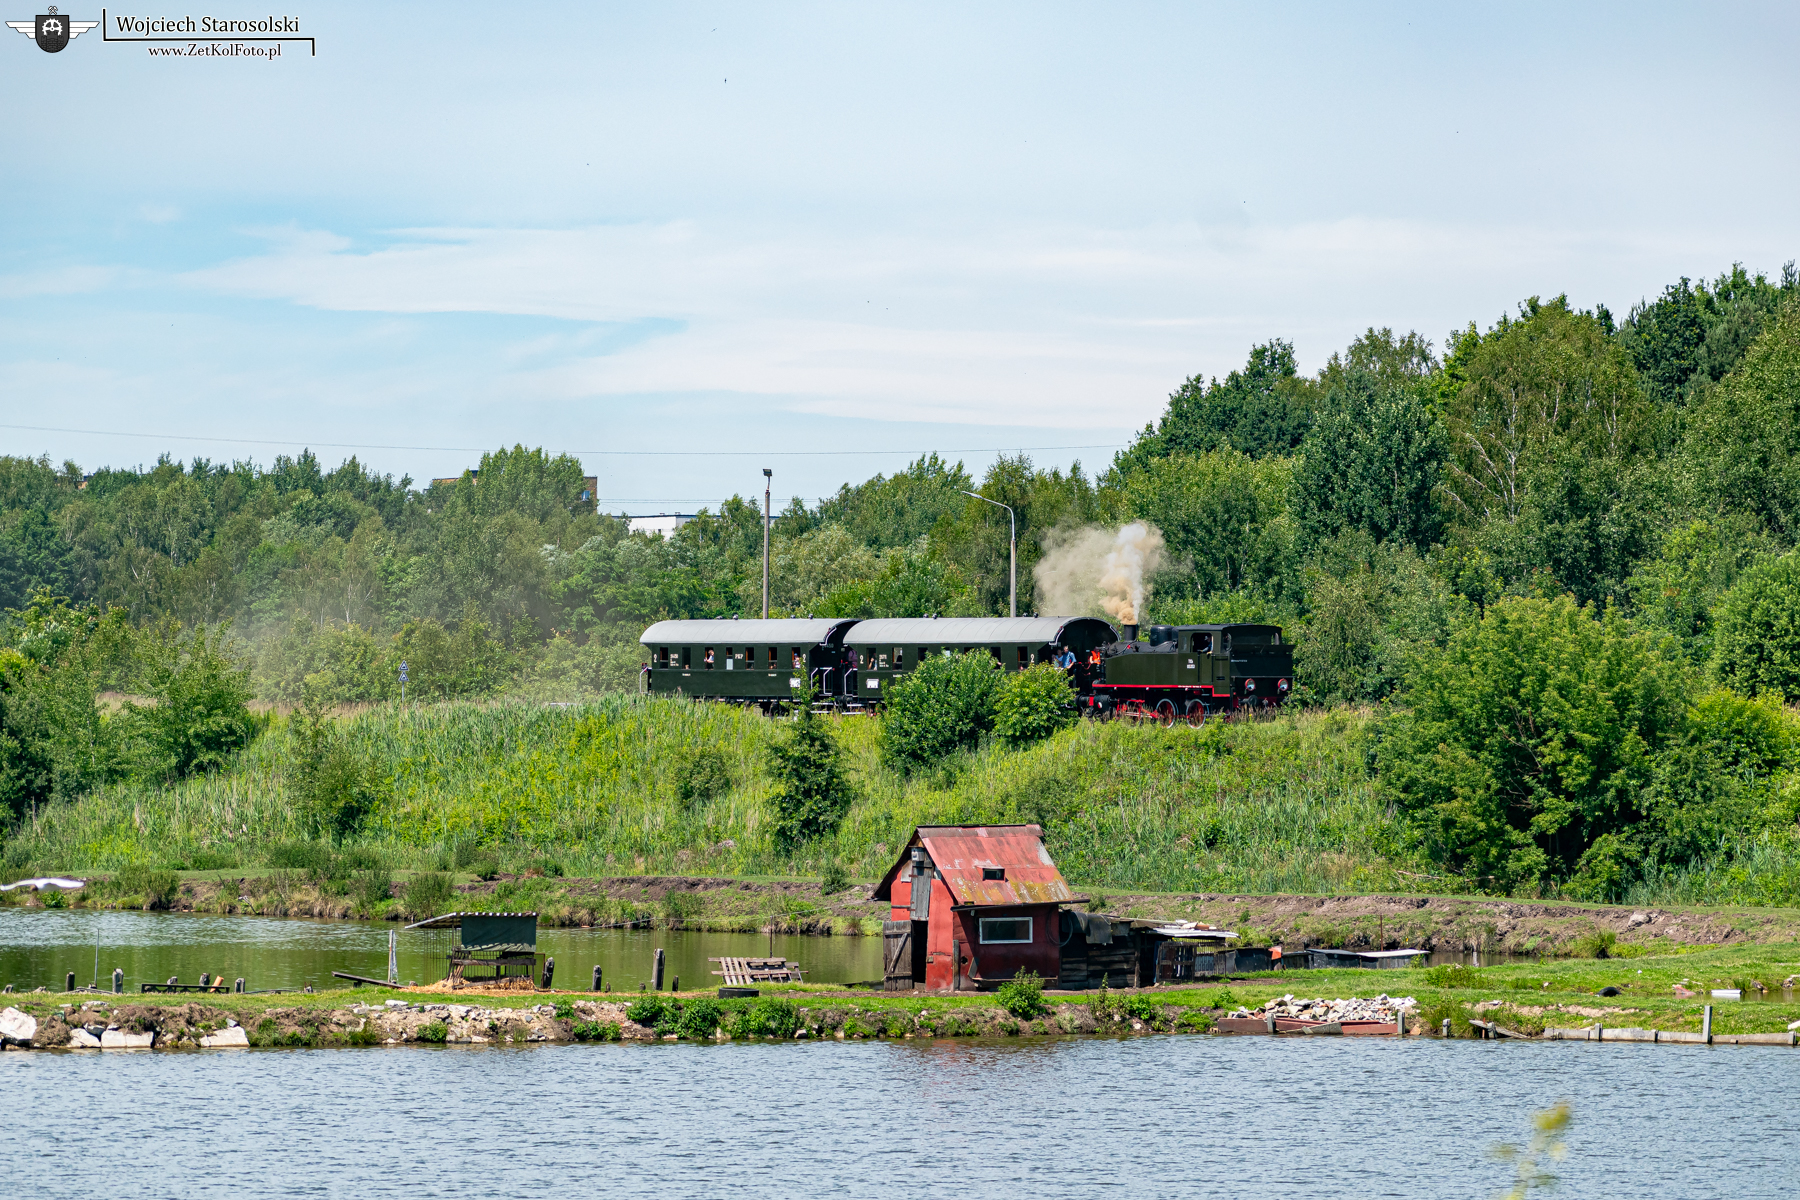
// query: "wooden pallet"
[[747, 972]]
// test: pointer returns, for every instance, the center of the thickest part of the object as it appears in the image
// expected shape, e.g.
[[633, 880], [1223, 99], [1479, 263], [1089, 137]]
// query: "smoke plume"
[[1085, 572]]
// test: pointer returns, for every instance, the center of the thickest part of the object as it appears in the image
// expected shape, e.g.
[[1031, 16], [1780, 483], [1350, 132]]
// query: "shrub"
[[1023, 996], [704, 777], [1596, 943], [1529, 737], [596, 1031], [811, 794], [648, 1010], [1033, 704], [315, 858], [565, 1010], [1195, 1021], [374, 887], [681, 906], [1756, 640], [699, 1017], [426, 894], [200, 720], [1141, 1008], [333, 787], [158, 888], [943, 705], [764, 1017], [435, 1032], [1454, 975], [833, 878]]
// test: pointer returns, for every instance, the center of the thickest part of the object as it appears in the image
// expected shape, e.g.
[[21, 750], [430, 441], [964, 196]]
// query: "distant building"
[[663, 523]]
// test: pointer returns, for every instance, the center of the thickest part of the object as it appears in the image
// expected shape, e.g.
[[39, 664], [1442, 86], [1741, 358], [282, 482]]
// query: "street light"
[[1012, 548], [768, 482]]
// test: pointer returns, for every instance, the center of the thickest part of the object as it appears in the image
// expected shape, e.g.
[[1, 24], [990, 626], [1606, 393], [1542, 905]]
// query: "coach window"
[[687, 657], [882, 661], [1024, 657], [773, 656], [662, 656], [706, 660], [797, 662], [749, 657], [899, 657], [1001, 930]]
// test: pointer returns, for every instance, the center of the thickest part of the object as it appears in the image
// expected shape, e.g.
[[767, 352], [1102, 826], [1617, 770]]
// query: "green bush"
[[703, 777], [374, 887], [811, 795], [648, 1010], [1023, 996], [435, 1032], [315, 858], [596, 1031], [943, 705], [1195, 1021], [333, 786], [1140, 1008], [199, 721], [1033, 704], [565, 1010], [1529, 737], [1596, 943], [158, 888], [426, 895], [764, 1017], [1454, 975], [699, 1018], [833, 879]]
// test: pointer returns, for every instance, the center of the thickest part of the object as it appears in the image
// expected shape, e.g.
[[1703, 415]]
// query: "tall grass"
[[1283, 805]]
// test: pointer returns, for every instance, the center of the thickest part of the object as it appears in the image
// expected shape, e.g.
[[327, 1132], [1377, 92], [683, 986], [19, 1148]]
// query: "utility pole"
[[1012, 547], [768, 483]]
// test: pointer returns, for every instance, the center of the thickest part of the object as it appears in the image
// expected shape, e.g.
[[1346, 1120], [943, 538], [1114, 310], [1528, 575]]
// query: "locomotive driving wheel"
[[1165, 714], [1196, 712]]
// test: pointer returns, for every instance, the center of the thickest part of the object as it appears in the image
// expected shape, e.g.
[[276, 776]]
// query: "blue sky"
[[640, 232]]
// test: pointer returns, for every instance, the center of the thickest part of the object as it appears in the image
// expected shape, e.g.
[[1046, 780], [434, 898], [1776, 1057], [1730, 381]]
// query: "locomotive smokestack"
[[1130, 632]]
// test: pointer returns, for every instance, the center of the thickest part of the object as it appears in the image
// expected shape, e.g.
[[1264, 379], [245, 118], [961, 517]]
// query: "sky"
[[686, 242]]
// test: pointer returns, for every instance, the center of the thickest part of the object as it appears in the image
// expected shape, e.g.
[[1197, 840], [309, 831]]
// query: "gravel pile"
[[1380, 1008]]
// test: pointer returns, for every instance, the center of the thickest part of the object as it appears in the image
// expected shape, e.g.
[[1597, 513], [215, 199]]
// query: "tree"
[[1743, 443], [943, 705], [1529, 737], [1372, 461], [199, 720], [1033, 704], [334, 788], [1264, 409], [1756, 641], [811, 793], [1224, 517]]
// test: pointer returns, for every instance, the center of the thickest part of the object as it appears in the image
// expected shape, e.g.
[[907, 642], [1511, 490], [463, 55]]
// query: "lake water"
[[1151, 1116], [39, 946]]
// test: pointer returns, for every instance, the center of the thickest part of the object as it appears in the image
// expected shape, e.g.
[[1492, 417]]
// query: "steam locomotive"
[[1174, 672]]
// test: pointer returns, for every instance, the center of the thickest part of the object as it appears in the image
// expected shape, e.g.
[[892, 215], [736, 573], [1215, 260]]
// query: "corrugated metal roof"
[[790, 631], [453, 920], [961, 852], [961, 631]]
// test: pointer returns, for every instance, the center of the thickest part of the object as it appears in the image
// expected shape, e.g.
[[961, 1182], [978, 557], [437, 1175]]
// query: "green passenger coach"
[[885, 649], [746, 662]]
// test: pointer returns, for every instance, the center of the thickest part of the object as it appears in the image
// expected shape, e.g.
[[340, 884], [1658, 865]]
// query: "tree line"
[[1556, 491]]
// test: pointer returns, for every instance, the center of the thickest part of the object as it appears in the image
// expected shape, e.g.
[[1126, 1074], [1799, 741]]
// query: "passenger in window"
[[707, 661], [796, 660], [899, 657]]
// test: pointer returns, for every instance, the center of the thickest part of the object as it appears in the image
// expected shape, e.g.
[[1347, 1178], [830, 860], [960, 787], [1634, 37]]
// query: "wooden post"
[[1399, 1022], [676, 986], [239, 985], [656, 973], [596, 979], [174, 979], [1446, 1033], [71, 983], [1706, 1024], [549, 971], [118, 981]]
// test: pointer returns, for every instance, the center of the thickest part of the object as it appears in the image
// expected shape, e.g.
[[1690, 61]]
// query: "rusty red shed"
[[972, 906]]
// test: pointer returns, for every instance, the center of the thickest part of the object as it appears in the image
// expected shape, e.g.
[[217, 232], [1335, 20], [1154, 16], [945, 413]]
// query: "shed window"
[[993, 872], [1005, 929]]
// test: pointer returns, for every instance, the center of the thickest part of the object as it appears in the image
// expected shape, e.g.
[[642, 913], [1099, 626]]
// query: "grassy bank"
[[1525, 996], [609, 789]]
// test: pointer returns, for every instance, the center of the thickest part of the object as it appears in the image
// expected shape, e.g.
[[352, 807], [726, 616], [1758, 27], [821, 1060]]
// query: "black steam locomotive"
[[1174, 672]]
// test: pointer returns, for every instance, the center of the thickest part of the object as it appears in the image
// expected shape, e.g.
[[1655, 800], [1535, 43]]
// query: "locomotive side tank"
[[747, 662], [1187, 671]]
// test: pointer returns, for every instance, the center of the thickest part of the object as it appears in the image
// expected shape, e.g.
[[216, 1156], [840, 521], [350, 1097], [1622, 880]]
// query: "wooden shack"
[[970, 907], [490, 949]]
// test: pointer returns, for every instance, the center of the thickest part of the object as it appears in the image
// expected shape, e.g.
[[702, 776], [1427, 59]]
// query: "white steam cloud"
[[1089, 571]]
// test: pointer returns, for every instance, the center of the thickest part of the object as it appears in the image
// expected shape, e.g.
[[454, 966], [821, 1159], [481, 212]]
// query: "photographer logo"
[[52, 30]]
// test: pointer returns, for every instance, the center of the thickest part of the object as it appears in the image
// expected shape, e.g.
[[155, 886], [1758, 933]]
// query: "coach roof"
[[967, 631], [794, 631]]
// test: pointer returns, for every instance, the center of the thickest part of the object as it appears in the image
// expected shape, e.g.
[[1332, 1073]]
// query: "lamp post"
[[1012, 549], [768, 482]]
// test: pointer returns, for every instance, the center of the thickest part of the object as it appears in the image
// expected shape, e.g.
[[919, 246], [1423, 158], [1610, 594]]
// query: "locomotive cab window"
[[1001, 930]]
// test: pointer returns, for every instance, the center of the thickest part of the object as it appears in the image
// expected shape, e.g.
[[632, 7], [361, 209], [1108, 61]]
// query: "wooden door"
[[897, 955]]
